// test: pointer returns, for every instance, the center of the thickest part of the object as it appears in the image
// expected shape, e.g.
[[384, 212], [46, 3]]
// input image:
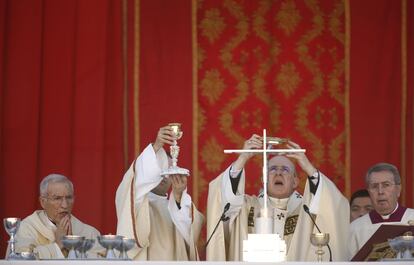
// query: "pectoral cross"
[[280, 216], [265, 151]]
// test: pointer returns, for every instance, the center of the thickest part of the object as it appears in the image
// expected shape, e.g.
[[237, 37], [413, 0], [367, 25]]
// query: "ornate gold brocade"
[[201, 56], [201, 119], [288, 79], [381, 251], [302, 115], [290, 224], [288, 17], [212, 85], [236, 70], [212, 25], [265, 64], [212, 155], [318, 85], [277, 65]]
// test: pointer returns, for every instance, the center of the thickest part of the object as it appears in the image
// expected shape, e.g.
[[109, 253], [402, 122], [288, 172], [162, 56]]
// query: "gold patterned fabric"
[[275, 65]]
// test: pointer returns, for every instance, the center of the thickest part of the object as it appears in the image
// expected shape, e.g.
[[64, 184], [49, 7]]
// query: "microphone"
[[226, 208], [222, 218], [306, 208]]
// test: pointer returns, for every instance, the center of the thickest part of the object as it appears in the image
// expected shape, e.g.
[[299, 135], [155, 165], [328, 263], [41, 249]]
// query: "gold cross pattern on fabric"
[[290, 224]]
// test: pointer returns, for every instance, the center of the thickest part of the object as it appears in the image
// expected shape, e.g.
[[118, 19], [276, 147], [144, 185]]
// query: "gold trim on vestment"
[[403, 169], [290, 224], [195, 101], [125, 77], [132, 202], [136, 76], [347, 99]]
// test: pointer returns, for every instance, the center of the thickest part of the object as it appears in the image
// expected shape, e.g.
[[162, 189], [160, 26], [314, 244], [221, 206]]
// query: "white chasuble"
[[328, 205], [162, 230], [36, 234]]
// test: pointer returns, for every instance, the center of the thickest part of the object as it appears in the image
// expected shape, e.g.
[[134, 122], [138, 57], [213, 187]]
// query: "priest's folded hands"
[[42, 231]]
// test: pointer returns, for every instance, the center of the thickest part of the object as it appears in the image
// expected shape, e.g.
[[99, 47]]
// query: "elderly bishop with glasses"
[[328, 206], [384, 186], [42, 231]]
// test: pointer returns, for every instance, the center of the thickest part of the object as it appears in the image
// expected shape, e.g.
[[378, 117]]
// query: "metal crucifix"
[[265, 151]]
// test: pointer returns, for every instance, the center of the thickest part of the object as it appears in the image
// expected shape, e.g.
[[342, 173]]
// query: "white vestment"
[[362, 228], [36, 234], [163, 231], [328, 205]]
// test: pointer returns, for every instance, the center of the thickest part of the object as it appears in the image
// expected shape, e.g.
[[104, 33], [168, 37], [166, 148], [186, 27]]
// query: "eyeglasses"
[[59, 199], [285, 170], [386, 185]]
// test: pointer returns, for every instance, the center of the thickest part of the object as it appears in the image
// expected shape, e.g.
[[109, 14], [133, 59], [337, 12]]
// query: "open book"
[[377, 247]]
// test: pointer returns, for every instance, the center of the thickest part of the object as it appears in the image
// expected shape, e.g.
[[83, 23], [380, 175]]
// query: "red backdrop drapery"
[[61, 104], [84, 86]]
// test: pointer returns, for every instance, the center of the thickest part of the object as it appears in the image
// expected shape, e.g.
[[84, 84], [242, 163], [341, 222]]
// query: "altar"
[[122, 262]]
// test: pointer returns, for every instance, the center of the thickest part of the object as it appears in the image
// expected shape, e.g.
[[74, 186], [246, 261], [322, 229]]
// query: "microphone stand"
[[306, 209], [222, 218]]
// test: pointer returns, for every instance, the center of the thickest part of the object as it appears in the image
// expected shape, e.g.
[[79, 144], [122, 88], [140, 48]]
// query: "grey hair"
[[54, 178], [384, 167]]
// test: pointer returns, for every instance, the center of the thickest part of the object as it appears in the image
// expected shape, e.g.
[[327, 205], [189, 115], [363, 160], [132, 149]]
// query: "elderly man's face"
[[58, 202], [384, 191], [282, 180], [360, 206]]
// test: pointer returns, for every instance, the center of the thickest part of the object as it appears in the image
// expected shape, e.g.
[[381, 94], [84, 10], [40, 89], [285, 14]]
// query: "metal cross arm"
[[276, 151], [266, 142]]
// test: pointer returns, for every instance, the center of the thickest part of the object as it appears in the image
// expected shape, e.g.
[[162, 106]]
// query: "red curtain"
[[85, 85], [165, 65], [61, 104], [381, 103]]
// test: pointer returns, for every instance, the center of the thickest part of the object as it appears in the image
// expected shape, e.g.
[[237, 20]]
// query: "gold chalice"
[[319, 240], [174, 151]]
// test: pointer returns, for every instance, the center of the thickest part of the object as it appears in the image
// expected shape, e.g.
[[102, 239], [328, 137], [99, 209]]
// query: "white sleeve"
[[148, 171], [235, 200], [181, 217]]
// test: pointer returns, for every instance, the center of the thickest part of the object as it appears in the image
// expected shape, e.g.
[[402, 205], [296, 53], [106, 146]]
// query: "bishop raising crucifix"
[[280, 199]]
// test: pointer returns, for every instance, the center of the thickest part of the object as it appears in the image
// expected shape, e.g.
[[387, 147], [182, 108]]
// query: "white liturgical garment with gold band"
[[329, 207], [163, 231]]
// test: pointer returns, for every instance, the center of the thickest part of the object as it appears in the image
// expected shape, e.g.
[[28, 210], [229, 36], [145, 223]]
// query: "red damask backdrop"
[[85, 85], [278, 65]]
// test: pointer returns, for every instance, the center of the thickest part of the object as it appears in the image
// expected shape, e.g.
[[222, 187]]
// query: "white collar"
[[279, 203], [387, 216], [289, 204], [47, 221]]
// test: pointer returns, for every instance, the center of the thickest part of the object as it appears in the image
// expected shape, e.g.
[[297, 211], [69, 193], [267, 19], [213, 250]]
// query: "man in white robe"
[[164, 228], [384, 186], [42, 231], [328, 206]]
